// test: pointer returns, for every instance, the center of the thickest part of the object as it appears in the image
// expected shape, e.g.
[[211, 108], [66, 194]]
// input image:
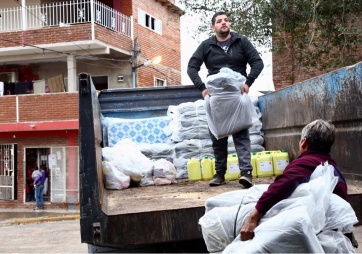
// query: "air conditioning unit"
[[8, 77]]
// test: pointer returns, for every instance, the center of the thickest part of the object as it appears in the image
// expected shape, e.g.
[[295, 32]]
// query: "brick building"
[[44, 45], [287, 71]]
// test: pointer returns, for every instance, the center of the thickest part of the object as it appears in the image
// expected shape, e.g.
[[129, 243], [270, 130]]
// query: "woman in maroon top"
[[314, 147]]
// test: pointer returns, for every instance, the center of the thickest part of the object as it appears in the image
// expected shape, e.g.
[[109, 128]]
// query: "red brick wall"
[[48, 35], [39, 107], [152, 44], [79, 32], [126, 7], [112, 38], [8, 106], [286, 71]]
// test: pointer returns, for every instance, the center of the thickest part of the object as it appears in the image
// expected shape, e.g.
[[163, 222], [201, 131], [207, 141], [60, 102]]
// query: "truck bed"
[[144, 216], [179, 195]]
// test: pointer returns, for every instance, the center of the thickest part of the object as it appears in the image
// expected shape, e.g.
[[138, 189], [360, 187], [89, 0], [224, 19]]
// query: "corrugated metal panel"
[[336, 97], [144, 102]]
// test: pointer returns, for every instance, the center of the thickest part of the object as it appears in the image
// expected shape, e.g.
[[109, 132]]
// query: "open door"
[[64, 184]]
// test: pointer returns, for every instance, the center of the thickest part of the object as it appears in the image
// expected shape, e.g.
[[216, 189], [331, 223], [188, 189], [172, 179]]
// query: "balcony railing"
[[64, 14]]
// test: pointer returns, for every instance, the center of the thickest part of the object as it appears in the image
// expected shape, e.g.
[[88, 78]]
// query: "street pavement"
[[54, 231]]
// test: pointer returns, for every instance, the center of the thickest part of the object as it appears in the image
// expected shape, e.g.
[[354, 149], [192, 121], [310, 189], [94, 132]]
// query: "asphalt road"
[[43, 237]]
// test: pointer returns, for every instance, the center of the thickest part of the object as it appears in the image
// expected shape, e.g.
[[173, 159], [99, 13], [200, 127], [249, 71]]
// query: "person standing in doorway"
[[29, 184], [227, 49], [39, 189]]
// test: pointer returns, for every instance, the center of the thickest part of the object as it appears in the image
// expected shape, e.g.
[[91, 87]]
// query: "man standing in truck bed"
[[227, 49]]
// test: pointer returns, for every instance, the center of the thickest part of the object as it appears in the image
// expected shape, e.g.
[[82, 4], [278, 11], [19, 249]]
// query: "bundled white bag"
[[164, 172], [113, 178], [128, 159], [288, 232], [335, 242], [227, 110], [222, 224]]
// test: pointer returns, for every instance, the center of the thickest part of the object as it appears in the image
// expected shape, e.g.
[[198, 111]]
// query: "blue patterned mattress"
[[147, 130]]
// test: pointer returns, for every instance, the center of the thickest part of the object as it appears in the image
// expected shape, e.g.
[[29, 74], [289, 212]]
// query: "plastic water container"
[[232, 170], [206, 168], [280, 161], [253, 165], [264, 164], [194, 169]]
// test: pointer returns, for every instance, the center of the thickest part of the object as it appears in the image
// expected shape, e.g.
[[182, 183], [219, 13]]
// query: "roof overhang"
[[56, 52], [39, 126], [171, 6]]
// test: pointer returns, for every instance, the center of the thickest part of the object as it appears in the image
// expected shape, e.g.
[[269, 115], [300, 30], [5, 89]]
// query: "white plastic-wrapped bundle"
[[113, 178], [187, 149], [128, 159], [157, 151], [227, 110], [164, 172], [188, 121], [288, 232]]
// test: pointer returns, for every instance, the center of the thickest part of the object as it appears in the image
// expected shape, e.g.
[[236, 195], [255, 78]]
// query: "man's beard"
[[224, 33]]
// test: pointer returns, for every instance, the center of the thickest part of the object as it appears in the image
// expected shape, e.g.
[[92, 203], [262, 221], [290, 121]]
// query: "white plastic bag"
[[113, 178], [222, 224], [128, 159], [227, 110], [335, 242], [164, 172], [288, 232]]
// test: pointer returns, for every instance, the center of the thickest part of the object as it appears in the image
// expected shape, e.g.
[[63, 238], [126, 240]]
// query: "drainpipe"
[[92, 18]]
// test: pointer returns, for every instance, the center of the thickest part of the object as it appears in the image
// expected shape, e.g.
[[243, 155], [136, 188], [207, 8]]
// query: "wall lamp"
[[154, 61]]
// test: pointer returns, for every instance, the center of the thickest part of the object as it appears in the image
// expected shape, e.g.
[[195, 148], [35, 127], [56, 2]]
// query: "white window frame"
[[145, 18], [155, 79]]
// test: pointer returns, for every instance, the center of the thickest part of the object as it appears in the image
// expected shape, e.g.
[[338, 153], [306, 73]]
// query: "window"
[[159, 82], [150, 22]]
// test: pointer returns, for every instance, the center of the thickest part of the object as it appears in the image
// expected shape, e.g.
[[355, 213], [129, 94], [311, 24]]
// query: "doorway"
[[35, 158]]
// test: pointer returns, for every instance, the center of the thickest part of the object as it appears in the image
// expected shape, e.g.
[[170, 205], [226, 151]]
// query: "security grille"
[[7, 162]]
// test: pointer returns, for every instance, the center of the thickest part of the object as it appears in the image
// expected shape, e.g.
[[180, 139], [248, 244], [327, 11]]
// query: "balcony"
[[63, 27], [64, 14]]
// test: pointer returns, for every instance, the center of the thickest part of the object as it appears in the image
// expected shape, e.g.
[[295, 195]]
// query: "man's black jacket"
[[240, 53]]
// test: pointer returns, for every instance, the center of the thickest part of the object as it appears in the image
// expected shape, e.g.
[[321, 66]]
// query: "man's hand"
[[245, 89], [247, 230], [204, 93]]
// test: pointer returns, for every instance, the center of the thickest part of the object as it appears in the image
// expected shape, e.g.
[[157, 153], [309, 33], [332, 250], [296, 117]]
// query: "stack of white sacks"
[[311, 220], [190, 123]]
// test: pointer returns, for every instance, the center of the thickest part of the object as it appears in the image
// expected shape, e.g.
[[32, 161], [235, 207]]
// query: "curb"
[[44, 219]]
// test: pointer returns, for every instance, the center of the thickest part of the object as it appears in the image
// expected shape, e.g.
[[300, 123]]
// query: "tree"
[[320, 34]]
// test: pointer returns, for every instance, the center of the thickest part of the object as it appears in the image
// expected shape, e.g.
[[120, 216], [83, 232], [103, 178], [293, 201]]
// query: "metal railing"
[[64, 14]]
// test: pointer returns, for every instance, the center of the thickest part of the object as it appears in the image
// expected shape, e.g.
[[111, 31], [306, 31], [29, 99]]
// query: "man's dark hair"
[[320, 135], [215, 15]]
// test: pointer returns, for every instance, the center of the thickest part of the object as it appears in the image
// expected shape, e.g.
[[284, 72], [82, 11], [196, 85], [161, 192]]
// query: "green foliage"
[[321, 34]]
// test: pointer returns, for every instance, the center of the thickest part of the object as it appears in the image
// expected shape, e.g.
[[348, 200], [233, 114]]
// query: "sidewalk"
[[24, 216]]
